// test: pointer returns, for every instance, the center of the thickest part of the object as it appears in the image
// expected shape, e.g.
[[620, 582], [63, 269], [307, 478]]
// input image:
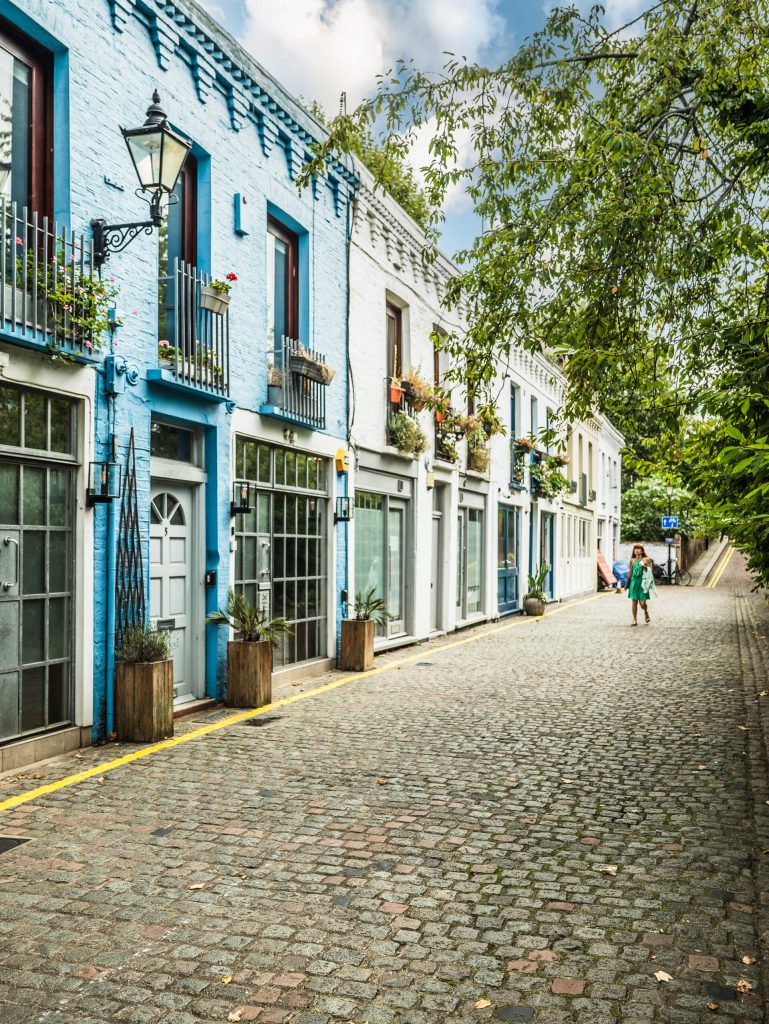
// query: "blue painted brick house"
[[181, 399]]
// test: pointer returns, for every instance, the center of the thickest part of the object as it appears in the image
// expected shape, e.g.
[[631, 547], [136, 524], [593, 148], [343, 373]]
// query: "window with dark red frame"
[[282, 284], [25, 123], [177, 244], [394, 341]]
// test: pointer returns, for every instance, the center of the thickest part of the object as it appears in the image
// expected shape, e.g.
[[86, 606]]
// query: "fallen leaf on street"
[[198, 885], [567, 781], [482, 1004], [227, 979], [701, 767], [749, 960], [381, 782], [743, 728], [511, 782], [608, 869], [743, 985], [712, 1006], [235, 1015], [663, 976]]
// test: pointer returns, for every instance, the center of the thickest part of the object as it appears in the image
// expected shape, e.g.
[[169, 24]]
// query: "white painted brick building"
[[445, 545]]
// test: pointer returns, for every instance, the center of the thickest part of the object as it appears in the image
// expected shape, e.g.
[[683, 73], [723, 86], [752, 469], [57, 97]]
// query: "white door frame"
[[165, 471]]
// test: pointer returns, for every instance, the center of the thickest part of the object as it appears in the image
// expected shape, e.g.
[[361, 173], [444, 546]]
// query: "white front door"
[[172, 576]]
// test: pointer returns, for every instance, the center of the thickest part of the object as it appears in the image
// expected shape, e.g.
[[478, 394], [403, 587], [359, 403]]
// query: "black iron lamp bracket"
[[109, 238]]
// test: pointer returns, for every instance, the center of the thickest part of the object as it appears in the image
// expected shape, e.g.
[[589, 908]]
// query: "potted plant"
[[535, 599], [215, 296], [526, 444], [477, 450], [357, 652], [396, 391], [144, 686], [249, 656], [304, 363], [490, 422], [274, 385], [406, 435]]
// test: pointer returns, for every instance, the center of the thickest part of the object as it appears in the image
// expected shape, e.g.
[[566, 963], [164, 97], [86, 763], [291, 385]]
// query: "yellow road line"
[[244, 716], [713, 582]]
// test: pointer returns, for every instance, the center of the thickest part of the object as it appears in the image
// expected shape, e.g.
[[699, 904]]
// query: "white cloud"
[[320, 48]]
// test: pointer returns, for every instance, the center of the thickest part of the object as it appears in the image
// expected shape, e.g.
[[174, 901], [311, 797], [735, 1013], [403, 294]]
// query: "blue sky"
[[318, 48]]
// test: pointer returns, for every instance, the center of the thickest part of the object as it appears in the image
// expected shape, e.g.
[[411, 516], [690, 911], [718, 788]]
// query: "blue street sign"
[[670, 522], [670, 540]]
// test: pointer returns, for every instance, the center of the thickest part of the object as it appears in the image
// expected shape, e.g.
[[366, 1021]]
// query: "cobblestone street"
[[553, 821]]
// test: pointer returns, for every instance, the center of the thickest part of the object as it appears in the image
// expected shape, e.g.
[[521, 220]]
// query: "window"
[[25, 123], [515, 402], [282, 284], [177, 244], [394, 341], [534, 416], [31, 419], [170, 442]]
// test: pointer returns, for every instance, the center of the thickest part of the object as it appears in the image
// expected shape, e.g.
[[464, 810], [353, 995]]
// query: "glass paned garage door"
[[35, 597], [37, 467], [280, 563]]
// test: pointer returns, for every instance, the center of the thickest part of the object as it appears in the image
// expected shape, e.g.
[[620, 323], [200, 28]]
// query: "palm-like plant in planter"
[[144, 686], [249, 657], [358, 631], [535, 598]]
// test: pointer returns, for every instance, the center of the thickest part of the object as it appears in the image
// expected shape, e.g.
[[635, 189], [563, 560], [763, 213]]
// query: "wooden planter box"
[[144, 701], [357, 645], [249, 673]]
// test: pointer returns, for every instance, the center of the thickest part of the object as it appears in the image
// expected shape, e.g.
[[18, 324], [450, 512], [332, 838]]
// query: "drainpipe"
[[109, 638]]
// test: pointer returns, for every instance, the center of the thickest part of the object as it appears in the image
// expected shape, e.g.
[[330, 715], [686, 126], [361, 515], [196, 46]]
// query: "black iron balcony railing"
[[445, 444], [193, 342], [297, 378], [49, 296]]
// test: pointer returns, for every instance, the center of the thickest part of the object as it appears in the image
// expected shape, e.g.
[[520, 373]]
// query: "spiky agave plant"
[[369, 606], [252, 625]]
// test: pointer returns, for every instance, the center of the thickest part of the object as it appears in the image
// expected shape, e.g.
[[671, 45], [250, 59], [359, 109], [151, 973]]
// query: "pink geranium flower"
[[19, 241]]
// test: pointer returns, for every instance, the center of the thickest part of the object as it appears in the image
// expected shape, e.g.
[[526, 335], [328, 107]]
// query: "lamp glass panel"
[[146, 150], [174, 155]]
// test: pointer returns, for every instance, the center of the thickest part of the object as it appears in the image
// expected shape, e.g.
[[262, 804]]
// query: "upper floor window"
[[25, 122], [282, 286], [394, 341], [177, 245], [515, 410], [534, 416]]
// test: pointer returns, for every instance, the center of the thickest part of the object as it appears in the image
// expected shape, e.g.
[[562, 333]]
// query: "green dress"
[[635, 590]]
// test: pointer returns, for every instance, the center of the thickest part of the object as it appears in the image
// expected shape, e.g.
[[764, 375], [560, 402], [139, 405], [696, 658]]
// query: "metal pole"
[[670, 552]]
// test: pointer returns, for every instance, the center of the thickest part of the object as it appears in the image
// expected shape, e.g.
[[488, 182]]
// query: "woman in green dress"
[[639, 561]]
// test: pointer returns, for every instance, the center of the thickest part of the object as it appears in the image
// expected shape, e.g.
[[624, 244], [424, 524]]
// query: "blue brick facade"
[[249, 140]]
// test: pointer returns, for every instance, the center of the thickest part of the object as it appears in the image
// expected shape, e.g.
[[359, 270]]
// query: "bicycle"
[[678, 577]]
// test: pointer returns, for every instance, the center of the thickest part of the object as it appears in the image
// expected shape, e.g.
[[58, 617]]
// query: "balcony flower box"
[[303, 364], [213, 300]]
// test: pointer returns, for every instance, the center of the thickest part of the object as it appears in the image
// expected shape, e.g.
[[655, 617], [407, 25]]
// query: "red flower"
[[232, 277]]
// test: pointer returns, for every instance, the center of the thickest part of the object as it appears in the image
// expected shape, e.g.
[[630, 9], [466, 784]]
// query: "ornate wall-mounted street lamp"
[[104, 483], [158, 154]]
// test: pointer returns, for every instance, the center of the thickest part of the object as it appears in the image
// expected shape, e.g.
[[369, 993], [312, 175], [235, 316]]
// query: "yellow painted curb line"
[[244, 716], [713, 582]]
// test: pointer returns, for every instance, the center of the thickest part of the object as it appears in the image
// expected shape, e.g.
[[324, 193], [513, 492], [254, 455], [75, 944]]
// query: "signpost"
[[669, 522]]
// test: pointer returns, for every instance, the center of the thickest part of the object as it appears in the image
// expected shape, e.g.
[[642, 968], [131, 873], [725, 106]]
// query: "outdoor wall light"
[[344, 509], [158, 154], [243, 497], [103, 483], [669, 488]]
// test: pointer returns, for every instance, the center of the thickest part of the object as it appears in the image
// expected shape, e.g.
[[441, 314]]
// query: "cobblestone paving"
[[529, 827]]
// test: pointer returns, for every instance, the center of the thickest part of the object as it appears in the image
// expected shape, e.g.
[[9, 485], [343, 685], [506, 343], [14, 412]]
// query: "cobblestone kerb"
[[552, 824]]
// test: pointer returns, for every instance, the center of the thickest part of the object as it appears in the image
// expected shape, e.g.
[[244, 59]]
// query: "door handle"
[[7, 584]]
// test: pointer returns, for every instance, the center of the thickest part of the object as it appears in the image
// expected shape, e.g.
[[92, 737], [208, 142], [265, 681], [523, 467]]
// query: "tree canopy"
[[622, 172]]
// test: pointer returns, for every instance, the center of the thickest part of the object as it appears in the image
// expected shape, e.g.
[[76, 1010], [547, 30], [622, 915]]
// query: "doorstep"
[[41, 748], [193, 706]]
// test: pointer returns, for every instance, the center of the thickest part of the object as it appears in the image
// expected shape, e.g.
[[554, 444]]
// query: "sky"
[[320, 48]]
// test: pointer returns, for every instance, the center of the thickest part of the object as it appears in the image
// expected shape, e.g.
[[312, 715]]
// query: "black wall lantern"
[[243, 496], [103, 483], [158, 154], [344, 509]]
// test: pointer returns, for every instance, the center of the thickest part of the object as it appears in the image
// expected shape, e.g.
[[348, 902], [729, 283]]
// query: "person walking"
[[640, 582]]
